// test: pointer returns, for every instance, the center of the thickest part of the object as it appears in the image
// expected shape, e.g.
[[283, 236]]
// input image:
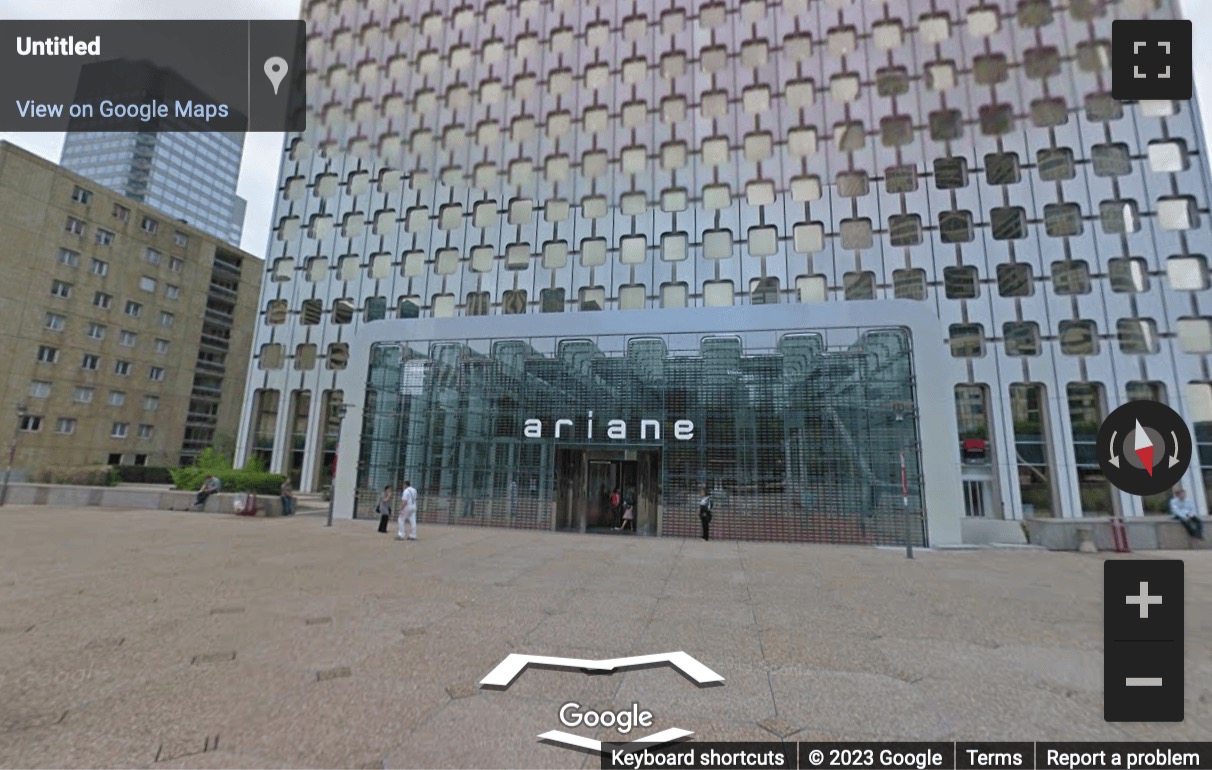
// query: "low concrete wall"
[[1145, 533], [978, 531], [64, 496]]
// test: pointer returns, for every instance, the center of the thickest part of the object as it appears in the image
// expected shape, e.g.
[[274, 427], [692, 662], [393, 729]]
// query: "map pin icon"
[[275, 70]]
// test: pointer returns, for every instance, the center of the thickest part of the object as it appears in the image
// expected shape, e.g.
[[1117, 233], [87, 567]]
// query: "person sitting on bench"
[[209, 487], [1184, 510]]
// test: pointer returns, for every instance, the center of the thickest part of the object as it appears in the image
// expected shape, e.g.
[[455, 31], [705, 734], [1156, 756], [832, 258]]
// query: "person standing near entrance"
[[616, 509], [628, 511], [1183, 509], [385, 507], [286, 493], [705, 513], [408, 513]]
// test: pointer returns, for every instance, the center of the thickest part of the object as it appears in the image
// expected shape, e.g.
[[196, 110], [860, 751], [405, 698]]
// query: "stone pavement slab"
[[174, 640]]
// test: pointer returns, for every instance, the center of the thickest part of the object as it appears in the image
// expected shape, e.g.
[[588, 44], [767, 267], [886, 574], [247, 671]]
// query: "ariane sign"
[[615, 430]]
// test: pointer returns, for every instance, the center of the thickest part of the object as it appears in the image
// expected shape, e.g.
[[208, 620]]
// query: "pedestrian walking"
[[1183, 509], [628, 512], [408, 513], [705, 513]]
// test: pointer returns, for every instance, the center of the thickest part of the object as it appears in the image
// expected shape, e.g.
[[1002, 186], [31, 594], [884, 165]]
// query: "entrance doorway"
[[587, 477]]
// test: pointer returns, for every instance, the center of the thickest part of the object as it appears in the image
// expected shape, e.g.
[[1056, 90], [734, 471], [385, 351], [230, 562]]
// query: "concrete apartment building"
[[125, 334]]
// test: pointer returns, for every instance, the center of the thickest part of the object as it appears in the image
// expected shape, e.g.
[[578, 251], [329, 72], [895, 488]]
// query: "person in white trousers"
[[408, 513]]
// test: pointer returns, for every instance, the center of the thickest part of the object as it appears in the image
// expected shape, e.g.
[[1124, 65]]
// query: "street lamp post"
[[22, 410], [332, 487], [900, 418]]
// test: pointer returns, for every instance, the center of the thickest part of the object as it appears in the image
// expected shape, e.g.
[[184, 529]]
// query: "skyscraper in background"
[[543, 163], [191, 175]]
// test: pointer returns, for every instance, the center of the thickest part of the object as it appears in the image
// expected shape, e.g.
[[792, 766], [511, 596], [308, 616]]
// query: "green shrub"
[[251, 478], [144, 474], [90, 476], [212, 460], [233, 481]]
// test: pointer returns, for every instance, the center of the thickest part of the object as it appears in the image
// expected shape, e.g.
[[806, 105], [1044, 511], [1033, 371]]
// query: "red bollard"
[[1119, 535]]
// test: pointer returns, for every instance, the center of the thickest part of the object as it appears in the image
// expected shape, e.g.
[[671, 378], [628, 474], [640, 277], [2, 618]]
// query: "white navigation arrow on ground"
[[507, 670], [664, 736]]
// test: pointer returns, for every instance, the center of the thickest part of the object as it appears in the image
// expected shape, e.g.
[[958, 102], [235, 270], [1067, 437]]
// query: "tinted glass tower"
[[549, 157], [190, 175]]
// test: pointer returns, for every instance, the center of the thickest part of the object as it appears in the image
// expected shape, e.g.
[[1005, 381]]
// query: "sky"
[[262, 151]]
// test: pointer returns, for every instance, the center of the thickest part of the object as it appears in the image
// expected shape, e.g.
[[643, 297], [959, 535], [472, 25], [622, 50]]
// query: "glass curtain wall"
[[799, 436]]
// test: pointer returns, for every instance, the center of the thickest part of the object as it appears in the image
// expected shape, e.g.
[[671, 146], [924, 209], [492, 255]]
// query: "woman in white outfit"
[[408, 513]]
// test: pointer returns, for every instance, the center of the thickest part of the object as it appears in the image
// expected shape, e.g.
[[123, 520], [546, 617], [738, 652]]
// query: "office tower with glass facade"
[[191, 175], [490, 192]]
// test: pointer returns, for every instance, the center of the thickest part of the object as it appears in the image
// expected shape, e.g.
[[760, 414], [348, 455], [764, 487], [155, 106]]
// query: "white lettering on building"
[[616, 429]]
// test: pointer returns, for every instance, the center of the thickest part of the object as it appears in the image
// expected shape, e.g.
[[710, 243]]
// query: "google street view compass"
[[1144, 448]]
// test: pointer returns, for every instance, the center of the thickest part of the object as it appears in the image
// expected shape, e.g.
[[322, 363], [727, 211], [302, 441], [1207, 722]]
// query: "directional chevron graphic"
[[507, 671]]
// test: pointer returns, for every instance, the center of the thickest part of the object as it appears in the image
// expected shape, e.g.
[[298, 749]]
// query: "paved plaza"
[[162, 639]]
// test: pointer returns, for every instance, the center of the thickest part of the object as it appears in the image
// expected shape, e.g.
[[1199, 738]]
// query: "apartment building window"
[[74, 226], [30, 423], [48, 354], [175, 264], [39, 389], [119, 430], [61, 289], [96, 331], [172, 292], [90, 362], [180, 238], [54, 322], [145, 431], [150, 225], [65, 425], [156, 374], [161, 347], [98, 267], [114, 458], [104, 237], [151, 403], [121, 213], [80, 195], [153, 257], [69, 258], [134, 309], [147, 283], [140, 459], [166, 318], [127, 338], [117, 398], [82, 395], [122, 368], [103, 300]]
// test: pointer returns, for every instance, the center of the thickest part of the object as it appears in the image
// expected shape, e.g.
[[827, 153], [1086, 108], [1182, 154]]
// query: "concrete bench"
[[138, 497], [1145, 533], [224, 502]]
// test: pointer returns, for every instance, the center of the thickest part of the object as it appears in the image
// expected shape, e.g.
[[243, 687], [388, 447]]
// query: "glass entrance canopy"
[[798, 434]]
